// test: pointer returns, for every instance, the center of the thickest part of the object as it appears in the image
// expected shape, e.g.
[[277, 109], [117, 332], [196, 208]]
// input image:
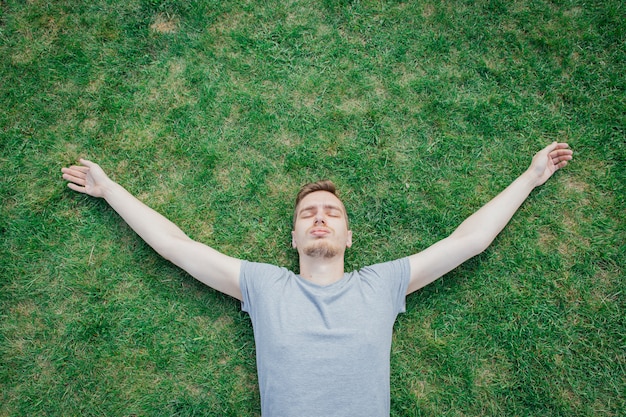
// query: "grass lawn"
[[215, 112]]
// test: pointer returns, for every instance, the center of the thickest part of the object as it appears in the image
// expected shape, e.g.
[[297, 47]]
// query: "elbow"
[[474, 244], [477, 244], [480, 248], [164, 250], [168, 248], [481, 244]]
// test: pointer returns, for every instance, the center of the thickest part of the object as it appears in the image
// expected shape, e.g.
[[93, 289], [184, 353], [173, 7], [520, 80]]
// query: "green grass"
[[215, 112]]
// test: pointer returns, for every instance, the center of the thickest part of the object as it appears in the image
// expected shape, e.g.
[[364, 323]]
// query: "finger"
[[561, 156], [562, 152], [75, 180], [75, 169], [69, 173], [77, 188], [556, 147], [73, 175], [560, 164]]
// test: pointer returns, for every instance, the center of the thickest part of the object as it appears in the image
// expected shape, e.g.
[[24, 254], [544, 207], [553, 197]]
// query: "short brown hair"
[[306, 189]]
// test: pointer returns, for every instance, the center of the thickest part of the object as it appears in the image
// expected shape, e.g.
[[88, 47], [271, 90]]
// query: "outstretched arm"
[[209, 266], [477, 232]]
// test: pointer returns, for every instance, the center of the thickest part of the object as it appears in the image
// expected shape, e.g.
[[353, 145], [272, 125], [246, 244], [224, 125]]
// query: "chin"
[[322, 249]]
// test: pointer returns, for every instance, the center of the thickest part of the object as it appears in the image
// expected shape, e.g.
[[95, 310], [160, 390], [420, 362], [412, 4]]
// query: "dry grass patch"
[[169, 89], [165, 24], [352, 106], [428, 11]]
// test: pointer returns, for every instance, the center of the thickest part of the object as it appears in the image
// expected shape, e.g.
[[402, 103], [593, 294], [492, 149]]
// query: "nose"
[[319, 219]]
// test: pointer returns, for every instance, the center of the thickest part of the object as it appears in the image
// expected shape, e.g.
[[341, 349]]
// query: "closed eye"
[[305, 214], [330, 211]]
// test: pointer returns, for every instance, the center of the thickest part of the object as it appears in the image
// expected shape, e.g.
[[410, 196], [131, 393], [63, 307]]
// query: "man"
[[323, 337]]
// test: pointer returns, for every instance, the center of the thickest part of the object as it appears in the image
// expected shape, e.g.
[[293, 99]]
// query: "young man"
[[323, 337]]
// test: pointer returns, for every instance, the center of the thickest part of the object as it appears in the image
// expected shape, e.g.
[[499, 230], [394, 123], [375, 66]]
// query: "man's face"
[[321, 226]]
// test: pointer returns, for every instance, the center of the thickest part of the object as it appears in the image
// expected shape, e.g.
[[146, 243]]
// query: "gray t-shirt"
[[324, 350]]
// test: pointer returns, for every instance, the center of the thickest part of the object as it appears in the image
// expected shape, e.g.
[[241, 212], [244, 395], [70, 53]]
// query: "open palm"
[[87, 178]]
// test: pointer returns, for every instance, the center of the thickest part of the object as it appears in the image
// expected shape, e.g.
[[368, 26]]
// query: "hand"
[[87, 178], [550, 159]]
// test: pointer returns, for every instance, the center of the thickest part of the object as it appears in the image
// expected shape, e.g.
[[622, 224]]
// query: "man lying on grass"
[[323, 337]]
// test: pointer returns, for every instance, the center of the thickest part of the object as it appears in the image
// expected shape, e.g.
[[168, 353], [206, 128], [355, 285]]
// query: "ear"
[[293, 239], [349, 240]]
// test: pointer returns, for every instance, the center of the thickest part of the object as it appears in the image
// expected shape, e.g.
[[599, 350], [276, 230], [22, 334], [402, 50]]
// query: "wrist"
[[530, 179], [109, 189]]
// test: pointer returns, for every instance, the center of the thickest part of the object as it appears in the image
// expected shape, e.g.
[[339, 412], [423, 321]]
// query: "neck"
[[321, 271]]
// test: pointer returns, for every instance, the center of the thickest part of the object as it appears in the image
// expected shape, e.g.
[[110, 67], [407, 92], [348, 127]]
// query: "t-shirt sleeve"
[[393, 277], [255, 279], [246, 284]]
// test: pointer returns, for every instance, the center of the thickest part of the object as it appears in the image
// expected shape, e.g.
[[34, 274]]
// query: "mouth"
[[319, 232]]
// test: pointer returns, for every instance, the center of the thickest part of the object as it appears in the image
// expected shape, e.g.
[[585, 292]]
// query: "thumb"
[[86, 162], [550, 147]]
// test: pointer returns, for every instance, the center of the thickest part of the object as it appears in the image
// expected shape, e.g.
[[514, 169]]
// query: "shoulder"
[[261, 281], [258, 272], [399, 268], [388, 279], [393, 274]]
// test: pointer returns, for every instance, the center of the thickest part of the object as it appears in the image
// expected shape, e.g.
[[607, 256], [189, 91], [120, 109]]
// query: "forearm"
[[152, 227], [481, 228], [477, 232], [209, 266]]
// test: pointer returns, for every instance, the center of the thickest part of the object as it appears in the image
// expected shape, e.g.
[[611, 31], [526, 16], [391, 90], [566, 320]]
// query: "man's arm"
[[207, 265], [477, 232]]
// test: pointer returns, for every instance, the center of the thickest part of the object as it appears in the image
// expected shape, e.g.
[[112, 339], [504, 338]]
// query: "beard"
[[321, 249]]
